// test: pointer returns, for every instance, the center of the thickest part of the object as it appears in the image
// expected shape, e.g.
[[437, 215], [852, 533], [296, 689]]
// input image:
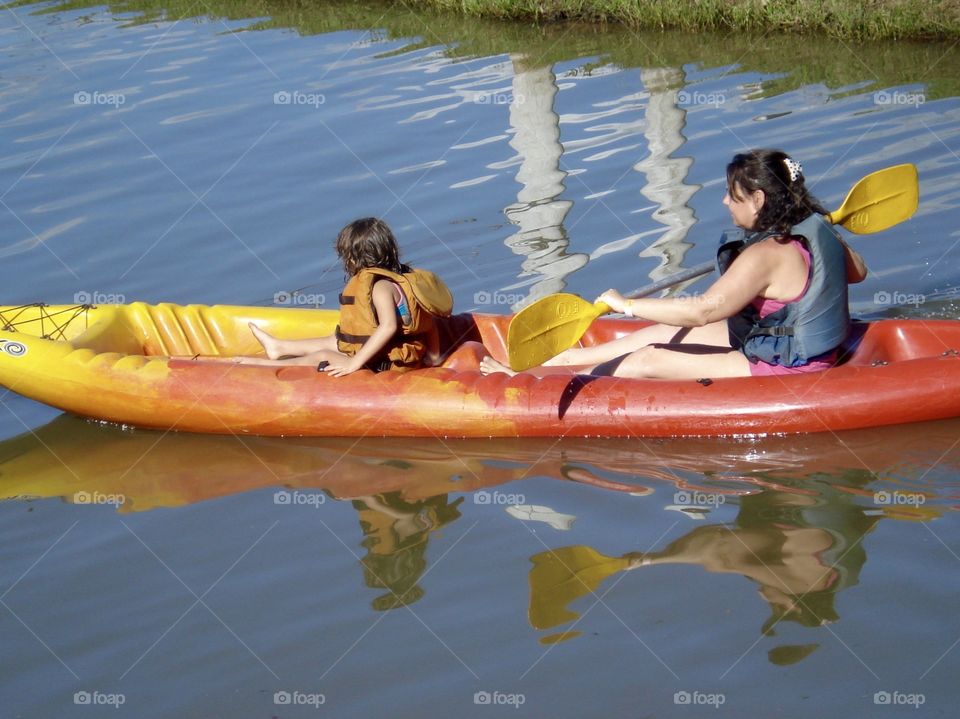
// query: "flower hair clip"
[[794, 168]]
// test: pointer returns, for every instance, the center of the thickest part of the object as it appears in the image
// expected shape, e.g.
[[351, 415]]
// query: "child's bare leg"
[[311, 359], [275, 348]]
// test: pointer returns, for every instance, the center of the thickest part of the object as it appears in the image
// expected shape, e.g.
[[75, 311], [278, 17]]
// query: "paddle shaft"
[[704, 269]]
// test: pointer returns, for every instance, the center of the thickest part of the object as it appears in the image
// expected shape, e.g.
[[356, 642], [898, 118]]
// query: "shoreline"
[[842, 19]]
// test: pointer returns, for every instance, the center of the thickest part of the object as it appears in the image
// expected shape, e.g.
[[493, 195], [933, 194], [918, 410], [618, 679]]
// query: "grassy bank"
[[848, 19]]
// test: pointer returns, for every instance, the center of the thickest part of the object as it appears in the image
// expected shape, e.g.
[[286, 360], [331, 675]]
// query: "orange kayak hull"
[[169, 367]]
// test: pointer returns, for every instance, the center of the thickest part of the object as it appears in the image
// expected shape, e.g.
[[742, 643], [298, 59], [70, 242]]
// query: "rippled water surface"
[[151, 153]]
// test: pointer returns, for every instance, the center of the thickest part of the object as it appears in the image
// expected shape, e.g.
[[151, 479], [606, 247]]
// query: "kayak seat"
[[891, 341], [466, 357], [110, 333], [462, 331]]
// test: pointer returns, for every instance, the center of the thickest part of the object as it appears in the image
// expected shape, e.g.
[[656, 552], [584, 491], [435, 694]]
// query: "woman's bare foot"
[[271, 345], [488, 365]]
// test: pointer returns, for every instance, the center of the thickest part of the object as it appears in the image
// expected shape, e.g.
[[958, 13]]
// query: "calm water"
[[154, 154]]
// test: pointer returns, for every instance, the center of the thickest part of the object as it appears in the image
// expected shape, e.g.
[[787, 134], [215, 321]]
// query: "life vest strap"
[[360, 339]]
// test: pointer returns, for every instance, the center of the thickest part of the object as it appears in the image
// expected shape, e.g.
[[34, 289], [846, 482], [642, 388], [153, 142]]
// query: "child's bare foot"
[[271, 345], [488, 365]]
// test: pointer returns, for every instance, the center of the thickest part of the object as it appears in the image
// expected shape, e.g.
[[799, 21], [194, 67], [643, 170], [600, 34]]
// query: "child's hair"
[[787, 201], [368, 242]]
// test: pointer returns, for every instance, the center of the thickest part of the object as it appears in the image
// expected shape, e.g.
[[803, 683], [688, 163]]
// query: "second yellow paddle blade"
[[560, 576], [547, 327], [880, 200]]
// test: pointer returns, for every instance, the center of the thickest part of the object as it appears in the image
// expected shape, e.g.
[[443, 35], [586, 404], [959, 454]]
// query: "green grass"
[[847, 19]]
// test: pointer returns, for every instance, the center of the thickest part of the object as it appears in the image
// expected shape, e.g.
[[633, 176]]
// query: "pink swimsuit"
[[766, 307]]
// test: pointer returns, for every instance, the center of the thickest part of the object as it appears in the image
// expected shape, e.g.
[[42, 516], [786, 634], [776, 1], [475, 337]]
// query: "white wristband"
[[626, 308]]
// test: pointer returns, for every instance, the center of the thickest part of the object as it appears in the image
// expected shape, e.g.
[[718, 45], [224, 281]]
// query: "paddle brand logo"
[[99, 498], [13, 348], [499, 699], [566, 309], [884, 498], [95, 698], [899, 699], [698, 499], [311, 499], [498, 498], [894, 299], [698, 698], [299, 299], [859, 220], [297, 698]]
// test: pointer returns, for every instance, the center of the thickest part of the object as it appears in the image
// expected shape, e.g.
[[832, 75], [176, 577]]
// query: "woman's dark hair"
[[368, 242], [787, 201]]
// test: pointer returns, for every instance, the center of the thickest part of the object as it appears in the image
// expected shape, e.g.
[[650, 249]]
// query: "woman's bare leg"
[[682, 361], [714, 334]]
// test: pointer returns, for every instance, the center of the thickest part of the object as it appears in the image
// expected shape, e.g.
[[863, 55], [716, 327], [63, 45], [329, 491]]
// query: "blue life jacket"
[[813, 325]]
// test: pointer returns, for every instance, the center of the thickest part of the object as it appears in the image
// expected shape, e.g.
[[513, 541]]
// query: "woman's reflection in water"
[[800, 549]]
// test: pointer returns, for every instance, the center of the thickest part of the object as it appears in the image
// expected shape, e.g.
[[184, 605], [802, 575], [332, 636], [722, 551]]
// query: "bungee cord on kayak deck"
[[10, 323]]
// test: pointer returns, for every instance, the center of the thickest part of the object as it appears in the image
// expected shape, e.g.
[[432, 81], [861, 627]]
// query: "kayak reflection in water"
[[395, 536], [779, 306], [799, 549]]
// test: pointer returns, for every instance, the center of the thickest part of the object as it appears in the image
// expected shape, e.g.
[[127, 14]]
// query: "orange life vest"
[[427, 296]]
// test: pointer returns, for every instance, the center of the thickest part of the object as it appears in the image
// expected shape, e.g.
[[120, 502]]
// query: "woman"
[[779, 306]]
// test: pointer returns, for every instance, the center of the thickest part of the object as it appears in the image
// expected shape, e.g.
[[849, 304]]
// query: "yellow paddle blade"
[[547, 327], [560, 576], [880, 200]]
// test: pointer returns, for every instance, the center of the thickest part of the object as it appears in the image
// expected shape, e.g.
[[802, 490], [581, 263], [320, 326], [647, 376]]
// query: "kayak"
[[171, 367]]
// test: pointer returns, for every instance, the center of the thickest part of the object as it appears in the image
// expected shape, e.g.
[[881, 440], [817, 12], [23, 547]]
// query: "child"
[[779, 306], [387, 311]]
